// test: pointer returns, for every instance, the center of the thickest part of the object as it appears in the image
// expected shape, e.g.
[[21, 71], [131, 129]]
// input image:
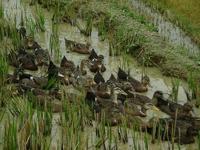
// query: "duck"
[[42, 56], [30, 43], [94, 56], [27, 60], [163, 127], [139, 86], [94, 65], [53, 72], [67, 64], [122, 75], [138, 99], [170, 107], [58, 75], [124, 85], [98, 78], [77, 47], [101, 90]]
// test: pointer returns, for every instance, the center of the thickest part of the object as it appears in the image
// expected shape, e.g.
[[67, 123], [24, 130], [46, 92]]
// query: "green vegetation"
[[29, 125], [184, 13]]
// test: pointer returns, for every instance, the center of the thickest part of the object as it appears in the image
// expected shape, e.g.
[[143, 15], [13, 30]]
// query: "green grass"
[[184, 13]]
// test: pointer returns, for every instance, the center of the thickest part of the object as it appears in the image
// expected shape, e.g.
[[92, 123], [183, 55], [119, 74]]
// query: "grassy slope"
[[185, 13], [171, 61], [126, 30]]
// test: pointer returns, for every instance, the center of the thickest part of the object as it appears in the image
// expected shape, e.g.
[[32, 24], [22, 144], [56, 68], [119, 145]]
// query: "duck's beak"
[[154, 108]]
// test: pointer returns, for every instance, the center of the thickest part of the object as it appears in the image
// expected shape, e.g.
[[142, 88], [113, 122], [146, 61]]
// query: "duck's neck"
[[114, 96], [154, 100]]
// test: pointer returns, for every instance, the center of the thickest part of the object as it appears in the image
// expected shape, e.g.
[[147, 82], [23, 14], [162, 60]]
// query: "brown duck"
[[77, 47]]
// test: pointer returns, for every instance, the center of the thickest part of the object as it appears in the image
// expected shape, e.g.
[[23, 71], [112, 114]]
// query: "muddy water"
[[166, 29], [13, 9]]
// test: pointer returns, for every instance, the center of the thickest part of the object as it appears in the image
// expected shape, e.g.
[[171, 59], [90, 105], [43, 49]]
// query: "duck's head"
[[93, 55], [156, 95], [122, 74], [100, 58], [115, 91], [98, 78], [145, 80], [30, 41], [64, 60]]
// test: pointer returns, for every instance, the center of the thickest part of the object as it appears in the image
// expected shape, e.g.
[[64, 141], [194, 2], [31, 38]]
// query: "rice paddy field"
[[182, 12], [90, 74]]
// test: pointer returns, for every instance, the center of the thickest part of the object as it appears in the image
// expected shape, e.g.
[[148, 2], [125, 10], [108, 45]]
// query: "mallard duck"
[[30, 43], [138, 99], [171, 107], [164, 127], [78, 47], [42, 56], [67, 64], [139, 86], [27, 60], [94, 56]]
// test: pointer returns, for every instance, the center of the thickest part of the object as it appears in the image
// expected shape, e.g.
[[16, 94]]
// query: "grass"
[[55, 43], [40, 19], [184, 13], [175, 89], [31, 128]]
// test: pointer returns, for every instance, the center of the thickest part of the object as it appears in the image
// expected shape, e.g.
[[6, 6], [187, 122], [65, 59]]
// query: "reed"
[[30, 26], [55, 43], [40, 19], [175, 89], [1, 10], [4, 67]]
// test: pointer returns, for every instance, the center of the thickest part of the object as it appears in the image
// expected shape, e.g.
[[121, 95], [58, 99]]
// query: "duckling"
[[67, 64], [78, 47]]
